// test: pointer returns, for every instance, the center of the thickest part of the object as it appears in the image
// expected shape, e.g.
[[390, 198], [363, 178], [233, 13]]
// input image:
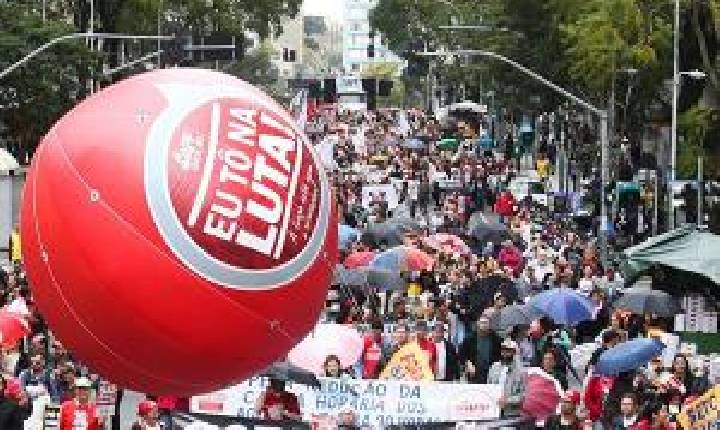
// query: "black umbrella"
[[384, 280], [647, 301], [494, 284], [385, 233], [350, 277], [291, 373], [485, 229], [513, 315]]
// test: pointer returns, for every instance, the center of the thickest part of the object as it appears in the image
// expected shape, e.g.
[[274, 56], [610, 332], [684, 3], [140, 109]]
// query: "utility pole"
[[673, 128], [700, 192]]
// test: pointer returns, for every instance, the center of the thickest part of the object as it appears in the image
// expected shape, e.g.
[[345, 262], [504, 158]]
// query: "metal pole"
[[655, 204], [673, 128], [159, 31], [604, 174], [700, 192], [43, 10]]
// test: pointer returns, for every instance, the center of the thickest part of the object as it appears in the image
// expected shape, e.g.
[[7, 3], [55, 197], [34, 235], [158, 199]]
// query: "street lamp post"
[[73, 36], [673, 128], [601, 113]]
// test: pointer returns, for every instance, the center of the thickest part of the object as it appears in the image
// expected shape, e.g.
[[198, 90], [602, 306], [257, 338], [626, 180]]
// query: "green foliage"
[[33, 97], [700, 129], [256, 68], [616, 34]]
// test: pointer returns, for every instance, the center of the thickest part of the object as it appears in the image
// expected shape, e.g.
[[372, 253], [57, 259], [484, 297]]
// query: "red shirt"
[[372, 353], [429, 347], [72, 413], [288, 400]]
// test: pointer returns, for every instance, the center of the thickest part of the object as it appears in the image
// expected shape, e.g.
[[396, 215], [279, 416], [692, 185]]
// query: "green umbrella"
[[449, 144]]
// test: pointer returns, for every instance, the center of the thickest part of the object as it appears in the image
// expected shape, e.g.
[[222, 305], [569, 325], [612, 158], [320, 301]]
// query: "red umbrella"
[[417, 260], [448, 243], [542, 395], [13, 327], [327, 339], [359, 259]]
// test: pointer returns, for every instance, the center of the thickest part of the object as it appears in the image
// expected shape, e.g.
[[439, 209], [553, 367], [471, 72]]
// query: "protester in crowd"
[[15, 406], [372, 353], [332, 368], [426, 343], [480, 351], [277, 404], [508, 373], [550, 365], [148, 417], [610, 338], [80, 412], [447, 367], [629, 417], [567, 418]]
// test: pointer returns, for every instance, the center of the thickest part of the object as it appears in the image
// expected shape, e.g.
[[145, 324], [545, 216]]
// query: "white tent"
[[7, 161]]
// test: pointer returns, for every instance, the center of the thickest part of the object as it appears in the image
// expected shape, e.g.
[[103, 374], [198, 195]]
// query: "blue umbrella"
[[564, 306], [388, 260], [628, 355], [413, 144], [346, 236]]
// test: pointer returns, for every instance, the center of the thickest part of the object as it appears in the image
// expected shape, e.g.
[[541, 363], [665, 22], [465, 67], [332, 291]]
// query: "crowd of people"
[[452, 308], [504, 249]]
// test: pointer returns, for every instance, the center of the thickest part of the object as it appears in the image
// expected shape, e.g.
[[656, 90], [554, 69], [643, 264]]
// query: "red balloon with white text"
[[178, 231]]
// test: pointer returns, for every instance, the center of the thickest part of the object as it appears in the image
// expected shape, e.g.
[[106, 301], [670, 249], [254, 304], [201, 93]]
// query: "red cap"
[[571, 396], [145, 407]]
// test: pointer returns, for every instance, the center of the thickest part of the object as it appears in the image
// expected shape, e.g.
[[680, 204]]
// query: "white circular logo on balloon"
[[234, 187]]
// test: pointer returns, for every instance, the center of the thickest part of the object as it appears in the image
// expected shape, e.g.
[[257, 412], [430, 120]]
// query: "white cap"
[[83, 382], [509, 344]]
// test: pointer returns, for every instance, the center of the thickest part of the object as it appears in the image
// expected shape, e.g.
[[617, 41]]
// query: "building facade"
[[356, 37]]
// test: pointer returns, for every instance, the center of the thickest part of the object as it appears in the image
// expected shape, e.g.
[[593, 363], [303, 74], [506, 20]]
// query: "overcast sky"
[[330, 8]]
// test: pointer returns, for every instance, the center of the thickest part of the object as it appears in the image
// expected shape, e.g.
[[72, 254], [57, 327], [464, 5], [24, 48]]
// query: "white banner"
[[375, 403]]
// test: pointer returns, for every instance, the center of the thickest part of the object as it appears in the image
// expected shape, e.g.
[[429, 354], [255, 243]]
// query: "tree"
[[256, 68], [34, 97]]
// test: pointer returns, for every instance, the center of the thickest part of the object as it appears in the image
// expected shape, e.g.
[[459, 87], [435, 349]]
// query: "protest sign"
[[371, 193], [375, 403], [703, 413], [410, 363]]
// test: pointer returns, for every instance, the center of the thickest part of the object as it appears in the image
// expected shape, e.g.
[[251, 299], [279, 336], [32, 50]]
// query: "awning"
[[684, 249]]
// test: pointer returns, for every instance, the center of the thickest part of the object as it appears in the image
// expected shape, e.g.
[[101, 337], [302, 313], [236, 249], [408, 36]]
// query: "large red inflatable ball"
[[178, 231]]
